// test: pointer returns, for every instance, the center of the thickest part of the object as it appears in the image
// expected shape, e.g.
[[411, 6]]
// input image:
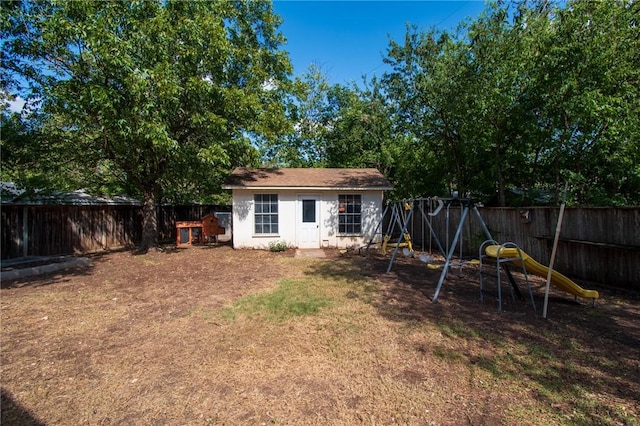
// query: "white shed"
[[306, 208]]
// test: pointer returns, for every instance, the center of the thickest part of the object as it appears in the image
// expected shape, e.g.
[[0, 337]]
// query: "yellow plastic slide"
[[557, 279]]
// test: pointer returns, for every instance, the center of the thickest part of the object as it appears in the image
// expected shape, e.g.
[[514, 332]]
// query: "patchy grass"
[[457, 329], [292, 298], [216, 336]]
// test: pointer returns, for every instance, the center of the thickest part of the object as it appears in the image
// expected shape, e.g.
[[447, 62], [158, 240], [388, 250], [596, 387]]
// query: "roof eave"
[[309, 188]]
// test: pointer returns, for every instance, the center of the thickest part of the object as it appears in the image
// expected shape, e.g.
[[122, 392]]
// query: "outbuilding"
[[306, 207]]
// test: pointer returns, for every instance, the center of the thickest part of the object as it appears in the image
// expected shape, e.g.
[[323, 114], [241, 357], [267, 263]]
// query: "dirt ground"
[[198, 336]]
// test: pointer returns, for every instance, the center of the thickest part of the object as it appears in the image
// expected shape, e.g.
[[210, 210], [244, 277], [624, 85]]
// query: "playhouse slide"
[[557, 279]]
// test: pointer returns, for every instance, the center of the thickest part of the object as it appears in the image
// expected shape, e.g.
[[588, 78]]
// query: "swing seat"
[[424, 258], [406, 243]]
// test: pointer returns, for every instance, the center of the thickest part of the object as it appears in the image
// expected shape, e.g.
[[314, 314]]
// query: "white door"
[[308, 221]]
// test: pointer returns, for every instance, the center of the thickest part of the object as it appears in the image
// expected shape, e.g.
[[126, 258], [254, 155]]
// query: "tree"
[[162, 95], [343, 126], [528, 96], [429, 88], [591, 80], [360, 127], [308, 111], [363, 134]]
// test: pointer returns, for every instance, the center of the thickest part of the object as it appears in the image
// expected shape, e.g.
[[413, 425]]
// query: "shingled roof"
[[367, 179]]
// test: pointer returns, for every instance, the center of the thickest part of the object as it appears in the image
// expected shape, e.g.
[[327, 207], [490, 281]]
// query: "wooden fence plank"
[[600, 244], [44, 230]]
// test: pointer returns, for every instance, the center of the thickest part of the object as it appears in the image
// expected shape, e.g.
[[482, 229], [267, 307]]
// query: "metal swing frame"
[[466, 204]]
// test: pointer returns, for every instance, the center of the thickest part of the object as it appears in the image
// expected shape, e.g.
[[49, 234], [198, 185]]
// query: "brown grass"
[[217, 336]]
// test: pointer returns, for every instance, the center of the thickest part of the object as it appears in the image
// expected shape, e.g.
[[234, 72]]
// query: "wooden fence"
[[598, 244], [45, 230]]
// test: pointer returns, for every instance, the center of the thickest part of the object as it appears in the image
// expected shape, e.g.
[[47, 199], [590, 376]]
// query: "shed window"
[[349, 214], [266, 214]]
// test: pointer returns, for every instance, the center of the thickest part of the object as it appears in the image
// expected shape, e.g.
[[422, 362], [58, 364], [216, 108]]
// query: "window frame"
[[259, 214], [350, 215]]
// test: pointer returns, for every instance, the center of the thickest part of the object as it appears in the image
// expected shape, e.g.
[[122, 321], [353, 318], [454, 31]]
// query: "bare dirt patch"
[[213, 335]]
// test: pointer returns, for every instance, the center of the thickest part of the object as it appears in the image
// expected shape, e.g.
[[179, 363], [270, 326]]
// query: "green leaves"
[[168, 96], [525, 95], [165, 91]]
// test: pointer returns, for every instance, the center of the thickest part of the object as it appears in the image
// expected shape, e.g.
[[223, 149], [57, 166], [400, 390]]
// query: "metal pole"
[[378, 226], [402, 232], [450, 253], [553, 251], [482, 224]]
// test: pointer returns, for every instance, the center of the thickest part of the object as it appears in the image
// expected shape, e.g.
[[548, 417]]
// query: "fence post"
[[25, 231]]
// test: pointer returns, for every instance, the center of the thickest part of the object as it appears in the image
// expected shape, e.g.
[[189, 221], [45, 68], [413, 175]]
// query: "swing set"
[[428, 208], [400, 216], [402, 224]]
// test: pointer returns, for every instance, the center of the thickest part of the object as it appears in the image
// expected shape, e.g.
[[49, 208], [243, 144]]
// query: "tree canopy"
[[527, 96], [508, 108], [158, 97], [161, 99]]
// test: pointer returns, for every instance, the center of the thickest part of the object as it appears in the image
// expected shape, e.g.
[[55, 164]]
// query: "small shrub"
[[276, 246]]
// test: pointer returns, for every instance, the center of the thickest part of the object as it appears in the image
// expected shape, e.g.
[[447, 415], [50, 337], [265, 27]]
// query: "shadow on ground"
[[579, 350], [15, 414]]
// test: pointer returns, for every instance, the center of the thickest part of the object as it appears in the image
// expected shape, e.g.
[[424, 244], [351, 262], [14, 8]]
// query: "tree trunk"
[[149, 219]]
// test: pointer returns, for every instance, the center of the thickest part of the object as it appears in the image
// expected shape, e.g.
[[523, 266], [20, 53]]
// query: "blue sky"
[[348, 39]]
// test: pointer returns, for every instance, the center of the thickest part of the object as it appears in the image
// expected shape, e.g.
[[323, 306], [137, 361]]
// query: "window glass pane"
[[266, 213], [308, 211], [349, 213]]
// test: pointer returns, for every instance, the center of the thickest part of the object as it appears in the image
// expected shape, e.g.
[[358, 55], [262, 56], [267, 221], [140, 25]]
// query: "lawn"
[[219, 336]]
